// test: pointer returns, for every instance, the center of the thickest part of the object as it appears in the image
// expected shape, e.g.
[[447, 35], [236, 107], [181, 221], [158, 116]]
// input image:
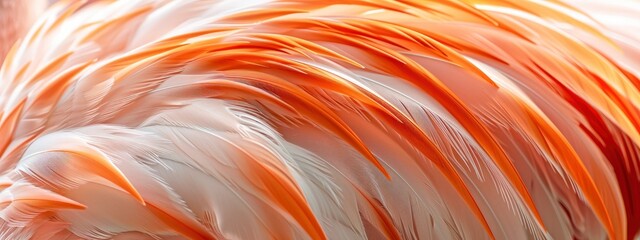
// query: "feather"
[[309, 119]]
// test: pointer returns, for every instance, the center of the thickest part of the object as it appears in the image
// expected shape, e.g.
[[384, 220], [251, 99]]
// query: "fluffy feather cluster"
[[322, 119]]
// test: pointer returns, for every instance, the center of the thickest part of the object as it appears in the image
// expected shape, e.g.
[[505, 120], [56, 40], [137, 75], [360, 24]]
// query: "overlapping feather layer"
[[352, 119]]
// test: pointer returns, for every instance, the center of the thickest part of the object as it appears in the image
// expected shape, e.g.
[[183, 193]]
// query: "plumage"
[[320, 119]]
